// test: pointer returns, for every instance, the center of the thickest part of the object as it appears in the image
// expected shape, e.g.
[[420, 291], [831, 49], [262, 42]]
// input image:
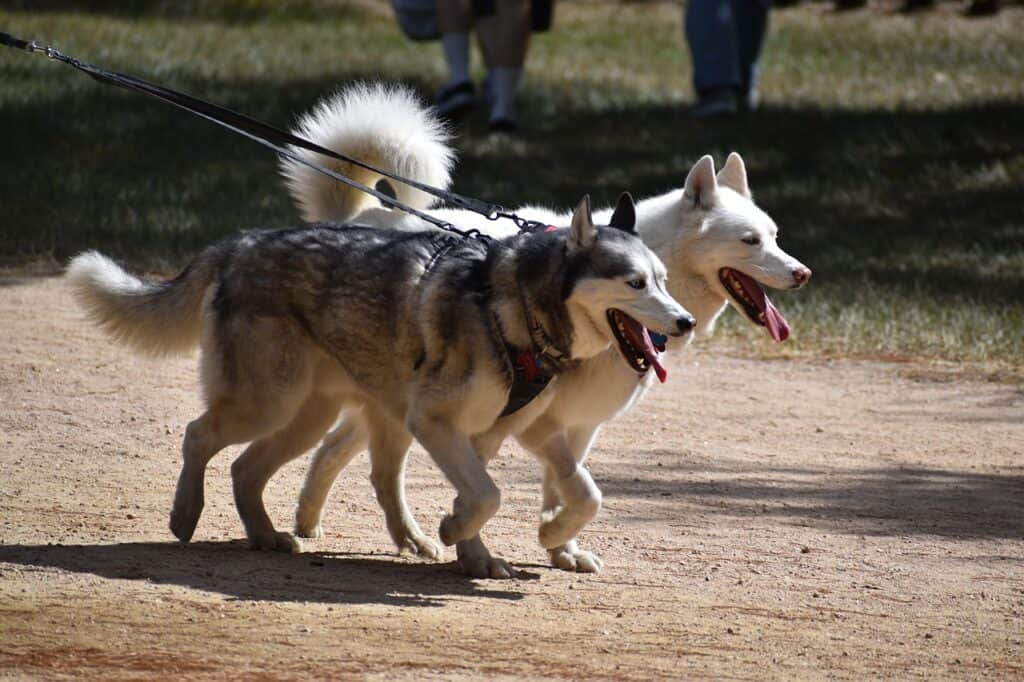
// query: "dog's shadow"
[[238, 573]]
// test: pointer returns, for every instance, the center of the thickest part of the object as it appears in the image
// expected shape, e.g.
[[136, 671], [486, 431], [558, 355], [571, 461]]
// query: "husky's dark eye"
[[637, 283], [752, 241]]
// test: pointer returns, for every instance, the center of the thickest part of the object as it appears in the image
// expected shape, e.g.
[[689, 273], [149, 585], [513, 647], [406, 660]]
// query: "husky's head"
[[733, 245], [617, 293]]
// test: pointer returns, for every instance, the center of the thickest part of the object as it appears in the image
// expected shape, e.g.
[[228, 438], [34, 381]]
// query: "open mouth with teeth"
[[754, 302], [635, 343]]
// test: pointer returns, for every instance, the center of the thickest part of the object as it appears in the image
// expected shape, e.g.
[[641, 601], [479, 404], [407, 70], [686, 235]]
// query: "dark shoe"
[[504, 125], [454, 100], [911, 6], [721, 102], [984, 8]]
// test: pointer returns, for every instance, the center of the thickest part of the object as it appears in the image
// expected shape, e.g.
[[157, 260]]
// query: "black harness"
[[529, 370], [529, 378]]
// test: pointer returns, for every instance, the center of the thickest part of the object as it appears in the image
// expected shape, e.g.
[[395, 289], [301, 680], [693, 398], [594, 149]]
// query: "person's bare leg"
[[504, 38], [455, 20], [454, 16]]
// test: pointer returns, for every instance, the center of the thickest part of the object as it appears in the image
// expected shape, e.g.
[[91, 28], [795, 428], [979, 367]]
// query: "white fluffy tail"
[[384, 126], [152, 317]]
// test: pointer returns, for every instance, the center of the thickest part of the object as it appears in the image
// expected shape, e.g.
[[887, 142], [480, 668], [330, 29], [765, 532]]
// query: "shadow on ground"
[[238, 573], [878, 501], [920, 202]]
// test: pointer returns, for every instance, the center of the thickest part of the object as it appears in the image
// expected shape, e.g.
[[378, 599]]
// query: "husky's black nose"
[[686, 324]]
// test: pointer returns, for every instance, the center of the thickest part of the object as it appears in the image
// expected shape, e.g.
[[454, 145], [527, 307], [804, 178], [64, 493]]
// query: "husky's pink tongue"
[[640, 339], [653, 356], [776, 323]]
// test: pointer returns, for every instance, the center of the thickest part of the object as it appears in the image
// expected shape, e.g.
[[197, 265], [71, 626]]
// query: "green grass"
[[890, 149]]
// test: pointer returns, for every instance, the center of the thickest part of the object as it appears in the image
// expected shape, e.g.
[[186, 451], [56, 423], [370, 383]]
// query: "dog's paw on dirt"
[[421, 546], [184, 519], [312, 531], [278, 541], [491, 567], [476, 561], [560, 528], [569, 557]]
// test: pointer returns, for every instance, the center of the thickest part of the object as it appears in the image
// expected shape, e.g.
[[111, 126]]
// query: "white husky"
[[718, 247]]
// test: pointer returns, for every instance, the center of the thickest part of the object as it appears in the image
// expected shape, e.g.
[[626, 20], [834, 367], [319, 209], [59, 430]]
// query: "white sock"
[[504, 83], [456, 54]]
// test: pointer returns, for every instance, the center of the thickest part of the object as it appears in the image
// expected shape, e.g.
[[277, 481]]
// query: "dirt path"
[[767, 520]]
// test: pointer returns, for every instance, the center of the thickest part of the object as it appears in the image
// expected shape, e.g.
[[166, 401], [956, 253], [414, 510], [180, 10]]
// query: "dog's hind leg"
[[347, 440], [226, 422], [261, 460], [389, 447]]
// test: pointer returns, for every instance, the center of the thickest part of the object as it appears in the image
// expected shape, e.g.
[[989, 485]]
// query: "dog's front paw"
[[491, 567], [184, 518], [277, 541], [421, 546], [561, 527], [476, 561], [447, 531], [469, 516], [569, 557], [581, 500], [311, 532], [306, 526]]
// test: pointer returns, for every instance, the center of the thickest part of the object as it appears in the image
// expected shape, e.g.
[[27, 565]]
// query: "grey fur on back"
[[384, 302]]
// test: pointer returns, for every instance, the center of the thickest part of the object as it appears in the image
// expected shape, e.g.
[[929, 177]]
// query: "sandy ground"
[[762, 520]]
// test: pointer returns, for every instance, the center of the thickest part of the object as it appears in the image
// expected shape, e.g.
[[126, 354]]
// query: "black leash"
[[279, 140]]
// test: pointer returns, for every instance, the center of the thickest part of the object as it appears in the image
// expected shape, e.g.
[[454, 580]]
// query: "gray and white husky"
[[418, 330], [718, 246]]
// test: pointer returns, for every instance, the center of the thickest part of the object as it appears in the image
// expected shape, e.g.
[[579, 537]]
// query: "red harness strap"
[[528, 363]]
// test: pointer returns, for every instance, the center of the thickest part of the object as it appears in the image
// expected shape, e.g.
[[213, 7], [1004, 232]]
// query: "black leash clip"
[[523, 224]]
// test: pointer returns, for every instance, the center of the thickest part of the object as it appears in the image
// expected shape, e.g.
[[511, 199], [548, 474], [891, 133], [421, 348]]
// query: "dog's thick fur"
[[412, 329], [709, 233]]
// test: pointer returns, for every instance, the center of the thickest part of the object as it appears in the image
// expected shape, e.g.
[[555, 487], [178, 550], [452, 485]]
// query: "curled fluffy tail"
[[385, 126], [155, 317]]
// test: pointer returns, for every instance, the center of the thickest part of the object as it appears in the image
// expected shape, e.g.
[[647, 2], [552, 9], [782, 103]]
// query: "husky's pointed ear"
[[734, 175], [701, 188], [624, 216], [582, 232]]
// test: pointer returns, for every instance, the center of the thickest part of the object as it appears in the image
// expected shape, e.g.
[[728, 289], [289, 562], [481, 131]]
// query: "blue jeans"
[[725, 39]]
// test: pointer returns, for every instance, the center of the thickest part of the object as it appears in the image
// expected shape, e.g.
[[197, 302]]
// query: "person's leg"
[[455, 19], [751, 17], [504, 37], [710, 31]]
